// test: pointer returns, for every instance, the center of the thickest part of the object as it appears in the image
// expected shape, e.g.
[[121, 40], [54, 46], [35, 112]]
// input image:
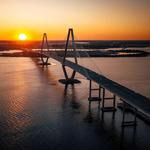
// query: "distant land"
[[114, 48], [11, 45]]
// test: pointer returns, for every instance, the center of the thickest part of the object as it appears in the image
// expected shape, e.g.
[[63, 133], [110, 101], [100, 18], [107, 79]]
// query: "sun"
[[22, 36]]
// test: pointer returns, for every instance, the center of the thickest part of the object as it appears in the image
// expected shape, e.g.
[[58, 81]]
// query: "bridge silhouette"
[[129, 98]]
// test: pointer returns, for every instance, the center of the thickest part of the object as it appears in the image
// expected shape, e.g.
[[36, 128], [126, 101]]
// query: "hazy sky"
[[91, 19]]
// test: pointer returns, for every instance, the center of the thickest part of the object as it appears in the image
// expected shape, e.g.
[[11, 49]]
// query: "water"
[[11, 51], [37, 112], [131, 72]]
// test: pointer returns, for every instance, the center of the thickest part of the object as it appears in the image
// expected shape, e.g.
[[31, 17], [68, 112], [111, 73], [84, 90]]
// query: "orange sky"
[[91, 19]]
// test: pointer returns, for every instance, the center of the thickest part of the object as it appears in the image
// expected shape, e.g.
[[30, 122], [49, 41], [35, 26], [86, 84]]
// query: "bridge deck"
[[129, 96]]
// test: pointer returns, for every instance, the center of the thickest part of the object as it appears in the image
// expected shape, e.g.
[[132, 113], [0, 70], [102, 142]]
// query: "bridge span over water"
[[130, 98]]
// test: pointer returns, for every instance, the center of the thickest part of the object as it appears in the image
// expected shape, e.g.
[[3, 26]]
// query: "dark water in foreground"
[[37, 112]]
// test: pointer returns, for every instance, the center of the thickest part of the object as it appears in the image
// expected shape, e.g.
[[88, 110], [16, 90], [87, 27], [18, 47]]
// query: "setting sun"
[[22, 36]]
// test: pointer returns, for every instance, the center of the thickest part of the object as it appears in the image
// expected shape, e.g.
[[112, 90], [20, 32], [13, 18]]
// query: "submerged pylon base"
[[69, 81], [45, 64]]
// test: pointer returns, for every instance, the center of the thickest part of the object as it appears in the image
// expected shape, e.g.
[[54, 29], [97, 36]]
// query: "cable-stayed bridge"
[[137, 102]]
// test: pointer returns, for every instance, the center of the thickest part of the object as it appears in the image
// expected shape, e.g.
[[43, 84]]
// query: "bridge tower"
[[71, 79], [44, 46]]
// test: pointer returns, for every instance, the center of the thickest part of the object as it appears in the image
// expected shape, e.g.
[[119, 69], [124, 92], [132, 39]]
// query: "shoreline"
[[81, 53]]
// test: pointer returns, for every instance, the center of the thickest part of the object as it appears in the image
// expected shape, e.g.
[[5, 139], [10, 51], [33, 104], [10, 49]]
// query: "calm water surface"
[[37, 112], [131, 72]]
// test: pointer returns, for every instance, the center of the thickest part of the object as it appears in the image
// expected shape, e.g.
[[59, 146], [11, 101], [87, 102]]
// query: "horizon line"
[[81, 40]]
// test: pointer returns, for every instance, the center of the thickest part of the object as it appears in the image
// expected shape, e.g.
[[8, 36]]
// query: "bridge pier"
[[104, 98], [45, 62], [131, 122], [69, 81], [93, 98]]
